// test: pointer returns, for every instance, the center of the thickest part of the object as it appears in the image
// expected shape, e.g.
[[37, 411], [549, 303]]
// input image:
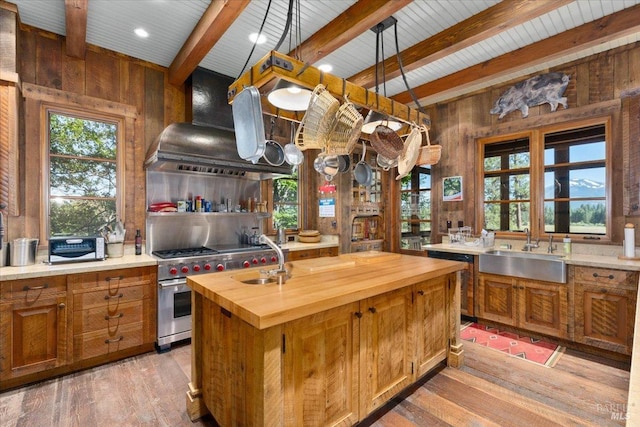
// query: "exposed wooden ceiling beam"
[[360, 17], [588, 35], [214, 22], [494, 20], [75, 12]]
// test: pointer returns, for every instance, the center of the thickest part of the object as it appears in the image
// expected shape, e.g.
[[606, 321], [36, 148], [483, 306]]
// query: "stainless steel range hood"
[[189, 148]]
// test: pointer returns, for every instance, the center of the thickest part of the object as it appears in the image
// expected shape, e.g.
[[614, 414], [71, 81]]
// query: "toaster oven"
[[76, 249]]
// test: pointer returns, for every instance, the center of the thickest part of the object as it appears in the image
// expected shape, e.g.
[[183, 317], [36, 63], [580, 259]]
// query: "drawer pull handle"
[[35, 288], [117, 316], [120, 338], [113, 296], [603, 290], [358, 314], [108, 279], [61, 305], [610, 277], [420, 292], [372, 309]]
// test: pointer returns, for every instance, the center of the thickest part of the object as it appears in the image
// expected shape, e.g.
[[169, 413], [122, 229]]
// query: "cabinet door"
[[321, 364], [386, 356], [496, 298], [33, 336], [542, 307], [431, 323], [605, 316]]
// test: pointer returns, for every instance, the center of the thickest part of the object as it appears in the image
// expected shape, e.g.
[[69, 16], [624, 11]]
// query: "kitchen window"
[[286, 201], [83, 173], [415, 208], [550, 180]]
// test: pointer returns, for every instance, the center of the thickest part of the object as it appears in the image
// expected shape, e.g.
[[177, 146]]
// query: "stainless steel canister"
[[282, 236], [4, 254], [23, 251]]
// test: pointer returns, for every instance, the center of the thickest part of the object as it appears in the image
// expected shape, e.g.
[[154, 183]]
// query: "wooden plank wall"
[[104, 76], [596, 82]]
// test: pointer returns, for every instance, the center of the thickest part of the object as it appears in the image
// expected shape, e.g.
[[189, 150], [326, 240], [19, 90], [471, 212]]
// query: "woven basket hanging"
[[429, 154], [346, 130], [318, 120]]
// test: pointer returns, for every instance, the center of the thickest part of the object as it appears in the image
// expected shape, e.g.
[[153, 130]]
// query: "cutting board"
[[368, 257], [324, 264]]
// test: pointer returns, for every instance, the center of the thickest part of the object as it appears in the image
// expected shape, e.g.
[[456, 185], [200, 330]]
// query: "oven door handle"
[[171, 283]]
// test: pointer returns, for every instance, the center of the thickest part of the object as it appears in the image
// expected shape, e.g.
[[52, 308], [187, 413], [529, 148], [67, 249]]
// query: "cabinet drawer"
[[32, 289], [109, 299], [105, 341], [604, 276], [303, 254], [107, 317], [328, 252], [111, 279]]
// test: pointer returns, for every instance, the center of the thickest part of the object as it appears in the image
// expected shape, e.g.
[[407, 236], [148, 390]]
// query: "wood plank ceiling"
[[357, 17]]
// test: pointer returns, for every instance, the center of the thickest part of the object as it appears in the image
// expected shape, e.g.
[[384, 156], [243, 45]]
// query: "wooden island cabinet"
[[325, 348]]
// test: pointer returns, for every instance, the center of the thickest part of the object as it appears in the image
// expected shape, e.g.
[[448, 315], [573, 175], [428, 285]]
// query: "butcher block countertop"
[[309, 291]]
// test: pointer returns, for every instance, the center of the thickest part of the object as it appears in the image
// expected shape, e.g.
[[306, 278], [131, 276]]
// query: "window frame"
[[269, 188], [84, 114], [537, 171]]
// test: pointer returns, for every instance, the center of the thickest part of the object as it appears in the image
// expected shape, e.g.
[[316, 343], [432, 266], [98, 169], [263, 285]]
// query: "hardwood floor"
[[491, 389]]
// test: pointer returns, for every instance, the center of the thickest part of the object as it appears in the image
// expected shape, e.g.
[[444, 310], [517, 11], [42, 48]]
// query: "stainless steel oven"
[[174, 311], [174, 295]]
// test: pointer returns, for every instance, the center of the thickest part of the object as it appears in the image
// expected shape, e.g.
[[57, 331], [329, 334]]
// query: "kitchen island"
[[337, 341]]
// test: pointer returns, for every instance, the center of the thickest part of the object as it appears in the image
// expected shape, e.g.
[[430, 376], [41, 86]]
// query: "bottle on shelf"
[[138, 242]]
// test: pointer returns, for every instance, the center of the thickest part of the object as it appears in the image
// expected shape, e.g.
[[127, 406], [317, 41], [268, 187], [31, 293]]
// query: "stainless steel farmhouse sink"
[[550, 268]]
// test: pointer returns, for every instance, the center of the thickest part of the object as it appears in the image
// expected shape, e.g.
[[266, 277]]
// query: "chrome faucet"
[[551, 247], [529, 246], [281, 272]]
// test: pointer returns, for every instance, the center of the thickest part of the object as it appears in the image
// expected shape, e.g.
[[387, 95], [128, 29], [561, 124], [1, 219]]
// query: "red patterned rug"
[[523, 347]]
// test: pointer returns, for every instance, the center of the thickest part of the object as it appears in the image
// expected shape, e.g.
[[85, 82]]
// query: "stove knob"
[[274, 258], [254, 261], [263, 260], [196, 267], [246, 264], [220, 267], [173, 271], [207, 267], [184, 269]]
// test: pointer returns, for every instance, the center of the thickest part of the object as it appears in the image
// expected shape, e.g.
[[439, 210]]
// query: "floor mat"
[[523, 347]]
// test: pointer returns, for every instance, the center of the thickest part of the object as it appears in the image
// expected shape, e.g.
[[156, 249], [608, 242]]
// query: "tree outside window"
[[83, 174], [286, 202]]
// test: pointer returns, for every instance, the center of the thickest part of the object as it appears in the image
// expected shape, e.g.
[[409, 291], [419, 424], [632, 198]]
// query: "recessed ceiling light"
[[257, 38], [140, 32], [326, 68]]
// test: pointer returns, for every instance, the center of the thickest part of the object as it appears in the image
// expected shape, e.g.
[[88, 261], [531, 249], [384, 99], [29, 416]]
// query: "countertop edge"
[[42, 269], [600, 261]]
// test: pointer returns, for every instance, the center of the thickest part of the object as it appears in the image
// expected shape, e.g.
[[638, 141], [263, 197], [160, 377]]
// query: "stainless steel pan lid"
[[249, 124], [273, 153]]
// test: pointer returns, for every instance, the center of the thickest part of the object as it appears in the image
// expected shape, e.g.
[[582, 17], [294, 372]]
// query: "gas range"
[[182, 262]]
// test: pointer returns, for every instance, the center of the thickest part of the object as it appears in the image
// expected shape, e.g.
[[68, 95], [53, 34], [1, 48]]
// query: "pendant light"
[[287, 95], [375, 118]]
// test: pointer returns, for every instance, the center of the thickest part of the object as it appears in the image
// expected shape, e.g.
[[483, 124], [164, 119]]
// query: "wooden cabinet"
[[605, 306], [113, 311], [312, 253], [528, 304], [55, 324], [387, 348], [321, 363], [431, 320], [33, 326], [334, 367]]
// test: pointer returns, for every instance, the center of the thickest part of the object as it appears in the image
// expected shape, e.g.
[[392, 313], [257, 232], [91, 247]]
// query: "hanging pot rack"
[[275, 65]]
